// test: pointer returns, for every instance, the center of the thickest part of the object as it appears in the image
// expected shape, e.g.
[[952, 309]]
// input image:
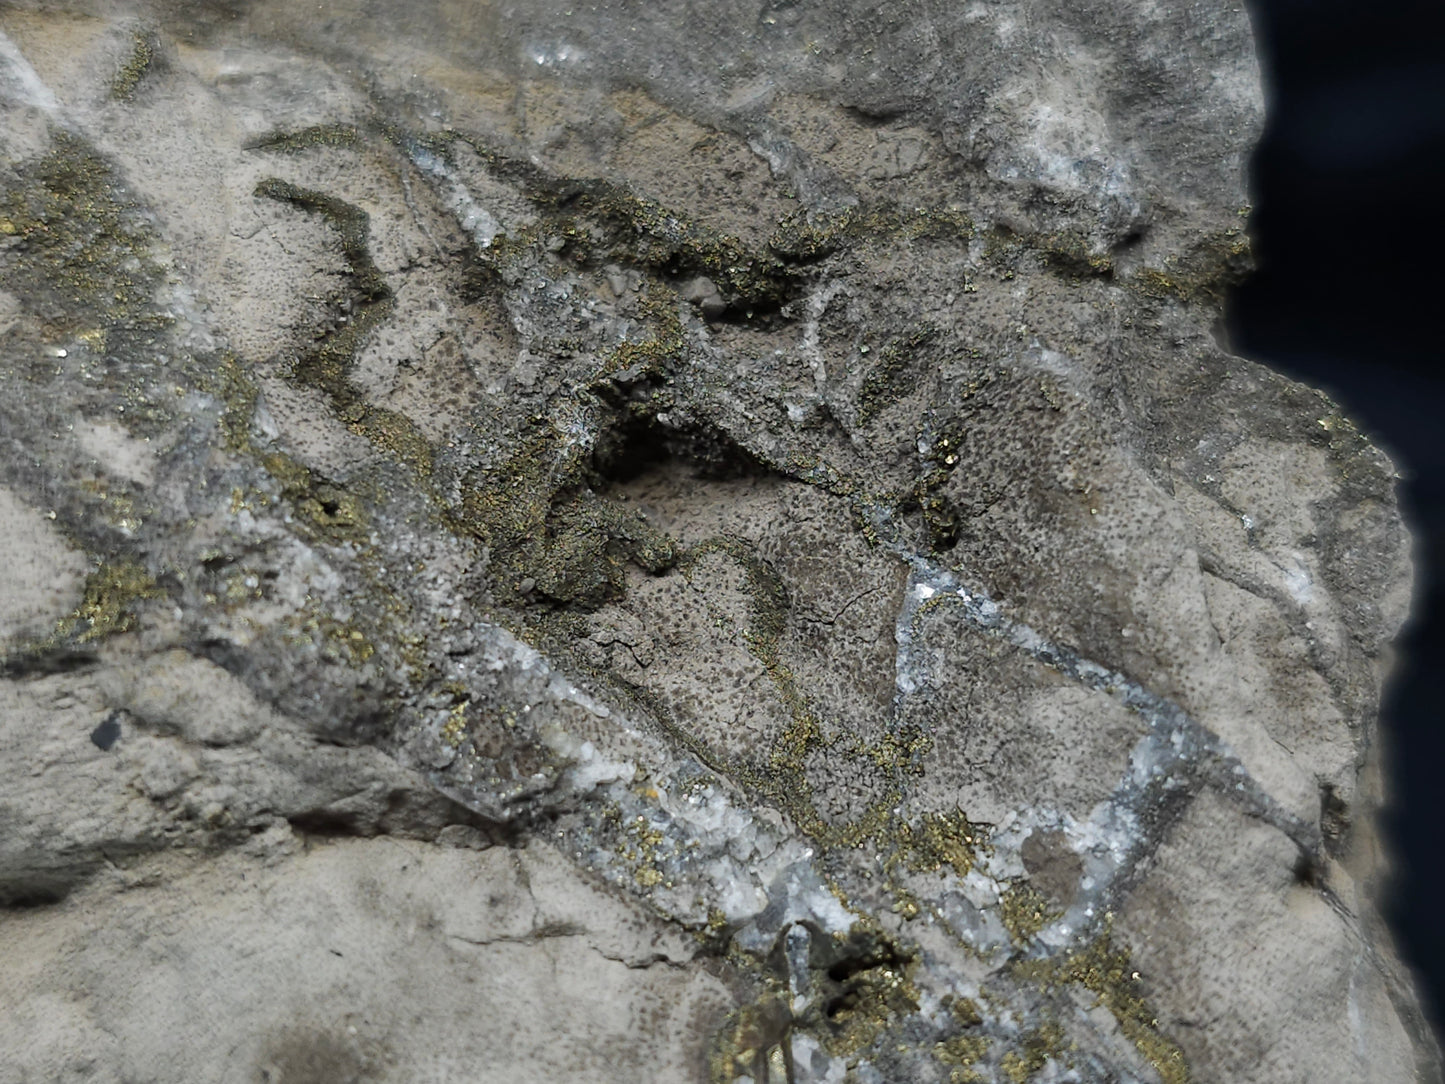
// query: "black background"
[[1349, 234]]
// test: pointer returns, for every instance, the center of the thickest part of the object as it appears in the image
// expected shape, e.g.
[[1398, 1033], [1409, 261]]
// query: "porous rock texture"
[[555, 541]]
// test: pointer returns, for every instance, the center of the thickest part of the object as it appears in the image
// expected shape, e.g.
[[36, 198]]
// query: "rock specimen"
[[665, 542]]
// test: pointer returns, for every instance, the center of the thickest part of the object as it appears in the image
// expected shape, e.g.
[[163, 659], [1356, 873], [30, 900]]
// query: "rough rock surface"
[[659, 542]]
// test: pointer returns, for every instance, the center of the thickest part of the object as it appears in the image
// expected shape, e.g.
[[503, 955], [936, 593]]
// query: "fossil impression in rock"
[[677, 542]]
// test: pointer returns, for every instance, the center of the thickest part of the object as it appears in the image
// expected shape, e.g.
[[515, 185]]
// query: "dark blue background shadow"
[[1349, 232]]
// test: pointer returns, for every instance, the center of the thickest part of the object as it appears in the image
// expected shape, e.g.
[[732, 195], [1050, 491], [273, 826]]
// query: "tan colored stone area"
[[331, 961], [40, 576], [1257, 950]]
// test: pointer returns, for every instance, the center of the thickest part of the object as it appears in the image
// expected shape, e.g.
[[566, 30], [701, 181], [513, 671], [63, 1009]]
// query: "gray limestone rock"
[[672, 542]]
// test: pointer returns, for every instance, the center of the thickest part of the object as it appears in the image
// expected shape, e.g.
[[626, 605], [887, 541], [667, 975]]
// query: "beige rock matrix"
[[670, 542]]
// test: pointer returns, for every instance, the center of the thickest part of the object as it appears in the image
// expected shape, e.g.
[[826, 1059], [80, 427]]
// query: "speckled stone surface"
[[717, 542]]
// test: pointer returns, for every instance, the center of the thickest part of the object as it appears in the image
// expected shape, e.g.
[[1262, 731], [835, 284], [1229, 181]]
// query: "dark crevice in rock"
[[645, 445], [1335, 820], [44, 660], [328, 824], [423, 815], [34, 896]]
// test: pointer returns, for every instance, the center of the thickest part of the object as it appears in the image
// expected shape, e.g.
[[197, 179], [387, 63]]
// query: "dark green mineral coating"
[[112, 595], [321, 135], [365, 305], [603, 222], [80, 248], [890, 375], [139, 65]]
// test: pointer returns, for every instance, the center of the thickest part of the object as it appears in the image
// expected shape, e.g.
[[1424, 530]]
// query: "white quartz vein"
[[1175, 756]]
